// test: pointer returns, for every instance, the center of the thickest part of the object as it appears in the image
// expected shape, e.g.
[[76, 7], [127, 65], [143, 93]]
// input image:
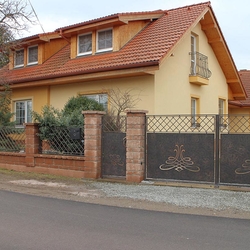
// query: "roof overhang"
[[216, 40], [90, 76]]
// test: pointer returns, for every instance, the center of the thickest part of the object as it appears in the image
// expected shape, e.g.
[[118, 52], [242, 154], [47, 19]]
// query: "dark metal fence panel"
[[64, 141], [113, 154], [235, 159], [181, 148], [114, 146], [12, 139], [184, 157]]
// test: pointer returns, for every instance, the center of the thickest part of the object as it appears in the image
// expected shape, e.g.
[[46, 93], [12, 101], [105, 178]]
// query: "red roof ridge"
[[109, 17], [208, 3]]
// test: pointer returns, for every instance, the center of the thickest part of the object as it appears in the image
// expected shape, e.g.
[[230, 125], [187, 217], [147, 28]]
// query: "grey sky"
[[233, 17]]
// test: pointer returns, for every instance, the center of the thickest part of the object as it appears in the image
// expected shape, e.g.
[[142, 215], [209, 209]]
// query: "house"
[[242, 107], [177, 59]]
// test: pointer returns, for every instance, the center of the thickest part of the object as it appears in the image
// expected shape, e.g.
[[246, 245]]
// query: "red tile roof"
[[245, 78], [147, 48]]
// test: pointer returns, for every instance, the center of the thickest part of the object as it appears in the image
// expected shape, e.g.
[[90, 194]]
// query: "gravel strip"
[[179, 196]]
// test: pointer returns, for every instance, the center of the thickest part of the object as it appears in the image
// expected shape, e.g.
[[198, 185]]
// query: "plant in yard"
[[55, 124]]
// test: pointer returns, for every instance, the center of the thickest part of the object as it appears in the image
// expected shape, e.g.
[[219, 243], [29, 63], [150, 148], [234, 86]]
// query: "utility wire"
[[36, 16]]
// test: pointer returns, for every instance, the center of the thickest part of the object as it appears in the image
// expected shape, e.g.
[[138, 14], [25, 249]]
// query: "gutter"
[[97, 70]]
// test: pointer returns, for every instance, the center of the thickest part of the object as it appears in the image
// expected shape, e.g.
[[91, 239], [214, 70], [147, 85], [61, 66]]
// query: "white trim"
[[97, 39], [84, 53]]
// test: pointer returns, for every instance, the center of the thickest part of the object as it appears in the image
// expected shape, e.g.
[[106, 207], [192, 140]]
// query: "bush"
[[70, 116]]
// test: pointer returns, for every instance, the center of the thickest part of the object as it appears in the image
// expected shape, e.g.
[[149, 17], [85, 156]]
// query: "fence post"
[[32, 142], [217, 150], [92, 143], [135, 145]]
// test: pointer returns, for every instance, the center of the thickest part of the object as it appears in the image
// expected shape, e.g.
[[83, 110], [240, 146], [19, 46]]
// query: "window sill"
[[198, 80]]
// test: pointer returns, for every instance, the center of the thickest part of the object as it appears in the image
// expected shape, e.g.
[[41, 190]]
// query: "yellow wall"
[[38, 95], [173, 91], [142, 86]]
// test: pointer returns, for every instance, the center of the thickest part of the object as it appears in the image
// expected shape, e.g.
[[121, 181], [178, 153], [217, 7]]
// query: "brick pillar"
[[92, 143], [31, 143], [135, 143]]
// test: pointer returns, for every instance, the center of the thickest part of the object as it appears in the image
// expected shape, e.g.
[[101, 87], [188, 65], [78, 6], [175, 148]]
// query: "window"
[[105, 40], [193, 55], [19, 58], [32, 55], [222, 112], [100, 98], [194, 111], [85, 44], [221, 106], [23, 112]]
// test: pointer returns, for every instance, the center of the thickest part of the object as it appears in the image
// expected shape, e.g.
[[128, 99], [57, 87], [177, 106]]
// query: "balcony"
[[199, 72]]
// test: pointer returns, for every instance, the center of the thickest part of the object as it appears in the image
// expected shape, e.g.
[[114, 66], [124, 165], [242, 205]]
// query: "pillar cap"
[[136, 111], [93, 112]]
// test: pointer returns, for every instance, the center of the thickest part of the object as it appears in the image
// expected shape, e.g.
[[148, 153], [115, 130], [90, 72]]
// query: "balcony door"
[[193, 55]]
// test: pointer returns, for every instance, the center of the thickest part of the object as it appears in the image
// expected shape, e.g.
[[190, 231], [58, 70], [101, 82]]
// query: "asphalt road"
[[32, 222]]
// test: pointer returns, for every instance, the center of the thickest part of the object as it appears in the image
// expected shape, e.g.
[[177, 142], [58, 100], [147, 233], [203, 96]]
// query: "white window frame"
[[78, 45], [97, 41], [15, 59], [28, 55], [27, 108]]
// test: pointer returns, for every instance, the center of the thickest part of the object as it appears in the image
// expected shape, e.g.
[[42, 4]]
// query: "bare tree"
[[15, 16], [119, 101]]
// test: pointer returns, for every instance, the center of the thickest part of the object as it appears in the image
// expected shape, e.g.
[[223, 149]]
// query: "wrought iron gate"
[[209, 149], [114, 147]]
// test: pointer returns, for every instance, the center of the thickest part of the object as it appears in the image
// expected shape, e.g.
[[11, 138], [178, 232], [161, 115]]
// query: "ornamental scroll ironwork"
[[244, 169], [116, 160], [179, 162]]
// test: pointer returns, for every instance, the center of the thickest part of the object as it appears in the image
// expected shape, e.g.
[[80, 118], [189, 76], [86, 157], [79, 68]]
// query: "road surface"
[[33, 222]]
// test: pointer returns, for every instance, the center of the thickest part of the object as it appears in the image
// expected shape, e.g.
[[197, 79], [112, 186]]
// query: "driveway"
[[212, 202]]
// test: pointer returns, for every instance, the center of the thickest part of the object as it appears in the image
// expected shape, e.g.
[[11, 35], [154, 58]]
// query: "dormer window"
[[85, 44], [19, 58], [104, 40], [32, 55]]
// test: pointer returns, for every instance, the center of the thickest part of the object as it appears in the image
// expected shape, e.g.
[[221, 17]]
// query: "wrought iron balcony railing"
[[199, 65]]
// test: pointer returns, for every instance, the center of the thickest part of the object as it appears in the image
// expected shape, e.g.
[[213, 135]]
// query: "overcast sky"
[[233, 17]]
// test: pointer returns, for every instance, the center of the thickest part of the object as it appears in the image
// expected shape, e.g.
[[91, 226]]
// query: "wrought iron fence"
[[232, 124], [181, 123], [114, 123], [235, 124], [12, 139], [64, 141]]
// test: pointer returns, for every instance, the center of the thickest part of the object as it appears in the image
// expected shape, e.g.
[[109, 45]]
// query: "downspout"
[[61, 35]]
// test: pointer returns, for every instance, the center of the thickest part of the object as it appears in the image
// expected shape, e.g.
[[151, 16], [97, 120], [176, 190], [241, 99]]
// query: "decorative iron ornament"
[[179, 162], [245, 169], [116, 160]]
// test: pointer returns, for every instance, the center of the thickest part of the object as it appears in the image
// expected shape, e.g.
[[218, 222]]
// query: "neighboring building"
[[178, 61], [242, 106]]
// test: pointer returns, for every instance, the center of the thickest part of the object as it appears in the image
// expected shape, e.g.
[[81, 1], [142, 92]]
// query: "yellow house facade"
[[176, 61]]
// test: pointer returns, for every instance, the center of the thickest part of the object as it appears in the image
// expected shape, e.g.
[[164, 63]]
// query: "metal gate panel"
[[113, 154], [235, 159], [182, 157]]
